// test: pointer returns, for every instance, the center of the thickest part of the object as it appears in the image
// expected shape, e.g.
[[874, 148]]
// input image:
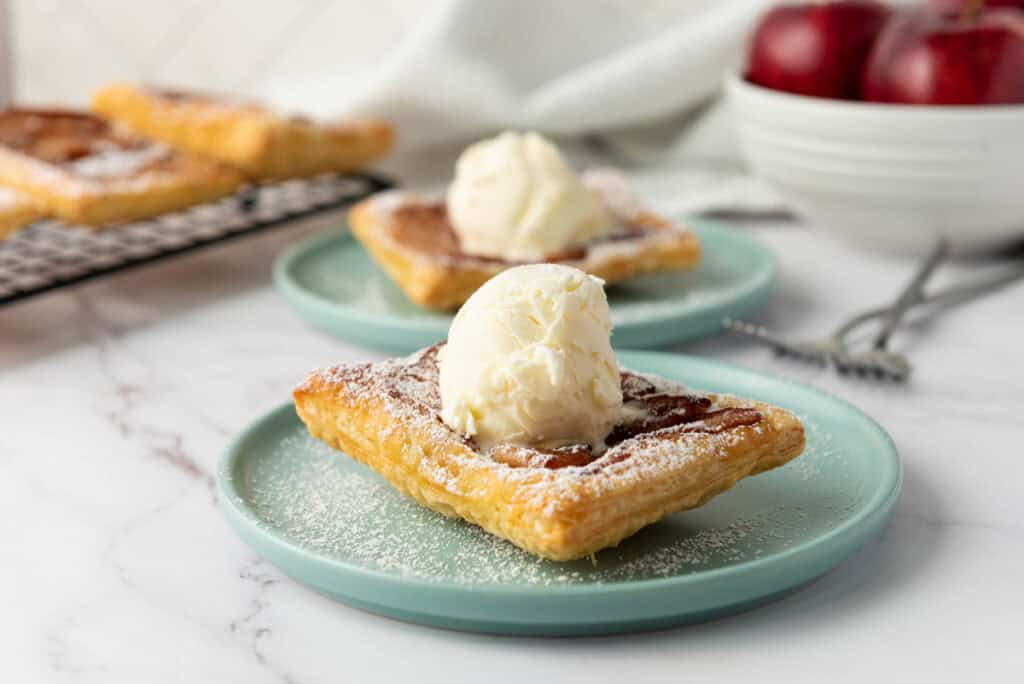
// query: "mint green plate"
[[332, 282], [338, 528]]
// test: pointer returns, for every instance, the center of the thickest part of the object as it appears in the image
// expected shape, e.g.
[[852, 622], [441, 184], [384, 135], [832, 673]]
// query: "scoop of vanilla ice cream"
[[514, 197], [529, 361]]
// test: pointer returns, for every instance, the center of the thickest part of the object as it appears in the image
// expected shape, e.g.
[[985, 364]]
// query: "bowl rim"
[[736, 82]]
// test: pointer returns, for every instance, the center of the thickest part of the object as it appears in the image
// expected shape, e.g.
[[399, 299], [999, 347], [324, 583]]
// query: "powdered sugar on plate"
[[320, 500]]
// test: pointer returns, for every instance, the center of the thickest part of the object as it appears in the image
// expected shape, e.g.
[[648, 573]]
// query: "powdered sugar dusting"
[[11, 199], [389, 201], [407, 389], [117, 162], [612, 186]]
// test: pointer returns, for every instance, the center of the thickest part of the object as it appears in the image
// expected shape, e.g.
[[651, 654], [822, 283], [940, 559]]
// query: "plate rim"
[[750, 295], [881, 503], [289, 286]]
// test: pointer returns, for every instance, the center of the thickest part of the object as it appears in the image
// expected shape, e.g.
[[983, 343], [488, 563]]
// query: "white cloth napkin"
[[643, 76]]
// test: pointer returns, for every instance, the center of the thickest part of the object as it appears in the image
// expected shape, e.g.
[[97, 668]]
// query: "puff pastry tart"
[[677, 450], [412, 239], [16, 211], [83, 170], [263, 144]]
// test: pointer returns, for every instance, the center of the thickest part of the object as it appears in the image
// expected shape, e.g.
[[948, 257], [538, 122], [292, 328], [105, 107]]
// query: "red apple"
[[815, 48], [960, 5], [948, 58]]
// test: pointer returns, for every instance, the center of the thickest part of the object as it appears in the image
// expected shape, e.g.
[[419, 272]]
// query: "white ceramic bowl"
[[890, 177]]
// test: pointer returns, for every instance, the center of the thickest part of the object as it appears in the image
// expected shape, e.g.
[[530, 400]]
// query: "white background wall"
[[65, 49]]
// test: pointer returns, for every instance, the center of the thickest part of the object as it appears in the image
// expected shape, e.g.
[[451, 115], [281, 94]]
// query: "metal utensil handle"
[[957, 294], [910, 294], [954, 294]]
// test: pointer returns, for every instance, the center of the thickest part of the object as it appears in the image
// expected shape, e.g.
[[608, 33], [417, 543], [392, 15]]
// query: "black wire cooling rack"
[[49, 254]]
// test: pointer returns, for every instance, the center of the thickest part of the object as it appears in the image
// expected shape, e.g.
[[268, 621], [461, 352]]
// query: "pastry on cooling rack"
[[16, 211], [84, 170], [524, 424], [514, 200], [261, 143]]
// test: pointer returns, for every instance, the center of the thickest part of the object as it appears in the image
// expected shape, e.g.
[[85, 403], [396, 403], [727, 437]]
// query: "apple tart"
[[84, 170], [413, 240], [674, 450], [263, 144]]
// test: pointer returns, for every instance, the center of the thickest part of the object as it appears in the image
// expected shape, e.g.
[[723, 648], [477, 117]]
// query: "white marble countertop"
[[117, 398]]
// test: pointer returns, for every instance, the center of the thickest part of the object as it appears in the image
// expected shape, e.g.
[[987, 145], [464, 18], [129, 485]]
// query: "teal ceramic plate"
[[331, 281], [336, 527]]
